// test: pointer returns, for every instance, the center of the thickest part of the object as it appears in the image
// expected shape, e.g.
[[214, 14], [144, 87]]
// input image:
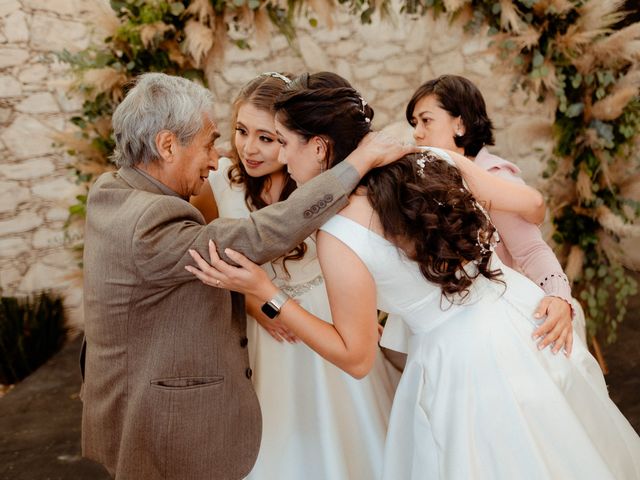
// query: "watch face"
[[269, 310]]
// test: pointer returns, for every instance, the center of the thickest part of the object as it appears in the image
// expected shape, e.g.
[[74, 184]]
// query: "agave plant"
[[32, 329]]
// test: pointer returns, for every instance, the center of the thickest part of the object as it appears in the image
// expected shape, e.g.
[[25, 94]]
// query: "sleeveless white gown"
[[319, 423], [477, 400]]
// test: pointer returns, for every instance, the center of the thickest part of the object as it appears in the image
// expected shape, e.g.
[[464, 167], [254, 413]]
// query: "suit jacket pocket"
[[186, 383]]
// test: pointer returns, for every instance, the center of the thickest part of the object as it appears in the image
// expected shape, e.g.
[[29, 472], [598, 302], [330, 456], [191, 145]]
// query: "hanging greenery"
[[579, 53]]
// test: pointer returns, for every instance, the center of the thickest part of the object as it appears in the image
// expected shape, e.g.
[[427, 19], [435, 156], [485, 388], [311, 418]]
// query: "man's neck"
[[158, 176]]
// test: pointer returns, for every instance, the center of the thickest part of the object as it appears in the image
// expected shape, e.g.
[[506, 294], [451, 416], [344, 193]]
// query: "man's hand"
[[377, 149], [557, 329]]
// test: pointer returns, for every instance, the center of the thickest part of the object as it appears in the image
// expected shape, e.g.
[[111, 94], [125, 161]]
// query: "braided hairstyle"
[[325, 104], [423, 205]]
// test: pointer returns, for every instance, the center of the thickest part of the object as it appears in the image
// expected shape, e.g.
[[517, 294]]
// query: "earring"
[[459, 134]]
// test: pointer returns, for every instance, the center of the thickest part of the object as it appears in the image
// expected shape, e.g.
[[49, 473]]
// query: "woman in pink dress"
[[449, 112]]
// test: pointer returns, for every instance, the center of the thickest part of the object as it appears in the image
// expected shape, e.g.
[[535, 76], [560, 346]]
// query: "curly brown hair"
[[428, 210]]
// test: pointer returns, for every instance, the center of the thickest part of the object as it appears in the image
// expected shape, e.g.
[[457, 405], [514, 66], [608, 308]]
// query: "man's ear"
[[166, 144]]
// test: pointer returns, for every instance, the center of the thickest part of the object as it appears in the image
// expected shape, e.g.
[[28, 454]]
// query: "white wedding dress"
[[477, 400], [319, 423]]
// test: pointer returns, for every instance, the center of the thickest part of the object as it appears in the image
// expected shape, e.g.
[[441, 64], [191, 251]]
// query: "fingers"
[[275, 334], [557, 328], [203, 277], [213, 253], [240, 259], [559, 343], [200, 262], [543, 306], [551, 337], [568, 344]]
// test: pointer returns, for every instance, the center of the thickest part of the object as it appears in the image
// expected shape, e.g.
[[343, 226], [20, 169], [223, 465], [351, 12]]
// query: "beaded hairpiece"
[[486, 245], [276, 75], [363, 104]]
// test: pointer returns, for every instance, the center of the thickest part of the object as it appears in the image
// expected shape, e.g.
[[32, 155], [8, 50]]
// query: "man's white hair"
[[158, 102]]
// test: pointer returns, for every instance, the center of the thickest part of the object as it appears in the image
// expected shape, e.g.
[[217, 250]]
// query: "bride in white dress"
[[477, 399], [318, 422]]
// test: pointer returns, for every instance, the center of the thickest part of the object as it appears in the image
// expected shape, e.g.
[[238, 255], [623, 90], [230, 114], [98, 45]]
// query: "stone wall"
[[385, 61]]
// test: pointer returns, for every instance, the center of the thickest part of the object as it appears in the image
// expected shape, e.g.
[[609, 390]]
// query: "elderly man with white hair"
[[166, 390]]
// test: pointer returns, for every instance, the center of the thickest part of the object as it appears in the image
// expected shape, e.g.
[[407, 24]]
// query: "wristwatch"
[[272, 308]]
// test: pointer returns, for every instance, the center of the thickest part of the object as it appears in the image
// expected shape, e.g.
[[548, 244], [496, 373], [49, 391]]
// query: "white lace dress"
[[319, 423], [477, 399]]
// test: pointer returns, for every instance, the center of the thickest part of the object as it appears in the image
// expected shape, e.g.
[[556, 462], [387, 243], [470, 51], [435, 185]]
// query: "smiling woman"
[[307, 403]]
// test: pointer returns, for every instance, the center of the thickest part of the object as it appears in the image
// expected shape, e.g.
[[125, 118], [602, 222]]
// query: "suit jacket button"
[[244, 341], [248, 372]]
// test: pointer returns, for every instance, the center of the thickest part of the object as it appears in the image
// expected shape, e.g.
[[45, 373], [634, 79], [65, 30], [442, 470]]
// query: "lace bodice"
[[300, 276]]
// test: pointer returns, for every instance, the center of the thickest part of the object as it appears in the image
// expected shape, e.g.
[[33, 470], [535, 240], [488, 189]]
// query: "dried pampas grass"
[[616, 224], [198, 42], [510, 17], [89, 159], [452, 6], [201, 10], [599, 15], [575, 262], [612, 106], [106, 79], [611, 50], [151, 33], [560, 7], [103, 18], [584, 186], [262, 25], [527, 38]]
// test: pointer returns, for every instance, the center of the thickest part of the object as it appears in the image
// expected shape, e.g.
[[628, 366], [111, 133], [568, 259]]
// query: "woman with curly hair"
[[449, 112], [477, 398]]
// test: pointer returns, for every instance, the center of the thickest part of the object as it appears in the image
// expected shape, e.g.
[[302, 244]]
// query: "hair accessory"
[[421, 161], [286, 80], [363, 103]]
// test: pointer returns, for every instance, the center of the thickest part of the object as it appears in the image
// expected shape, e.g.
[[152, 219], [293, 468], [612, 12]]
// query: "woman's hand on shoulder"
[[247, 278]]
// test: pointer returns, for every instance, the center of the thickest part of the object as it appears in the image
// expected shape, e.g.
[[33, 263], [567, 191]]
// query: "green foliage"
[[544, 67], [604, 288], [31, 331]]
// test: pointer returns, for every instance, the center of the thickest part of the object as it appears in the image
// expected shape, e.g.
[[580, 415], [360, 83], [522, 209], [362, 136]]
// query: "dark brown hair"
[[430, 211], [461, 98], [325, 104], [261, 92], [435, 218]]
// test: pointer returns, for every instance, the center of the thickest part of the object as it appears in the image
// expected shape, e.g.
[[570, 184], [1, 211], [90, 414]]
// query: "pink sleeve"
[[530, 253]]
